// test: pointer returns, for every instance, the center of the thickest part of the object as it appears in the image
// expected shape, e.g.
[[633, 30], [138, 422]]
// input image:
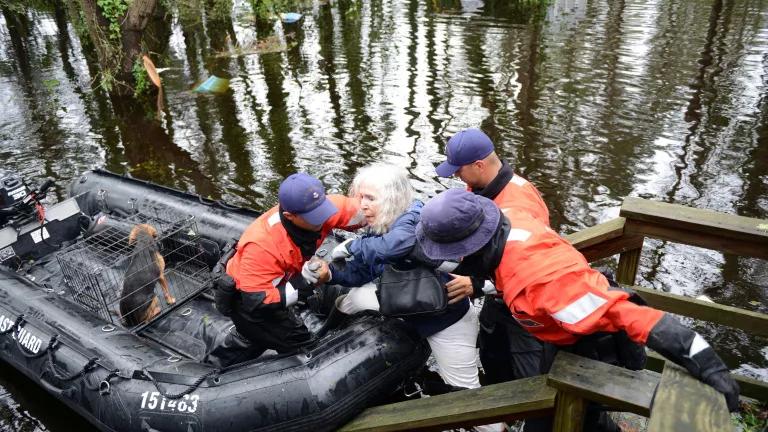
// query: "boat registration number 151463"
[[154, 401]]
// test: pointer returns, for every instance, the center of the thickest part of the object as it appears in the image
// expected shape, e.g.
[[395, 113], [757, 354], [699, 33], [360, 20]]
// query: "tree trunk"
[[136, 19], [98, 30], [116, 58]]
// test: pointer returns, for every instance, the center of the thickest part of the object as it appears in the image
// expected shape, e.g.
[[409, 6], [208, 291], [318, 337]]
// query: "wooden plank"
[[682, 403], [723, 243], [704, 228], [629, 261], [529, 397], [600, 382], [688, 218], [597, 234], [755, 323], [611, 247], [569, 413], [749, 387]]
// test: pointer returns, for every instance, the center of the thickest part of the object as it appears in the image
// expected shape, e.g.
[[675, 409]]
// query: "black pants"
[[613, 348], [507, 351], [278, 329]]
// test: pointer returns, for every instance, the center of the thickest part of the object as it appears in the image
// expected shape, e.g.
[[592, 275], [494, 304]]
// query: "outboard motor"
[[27, 229], [13, 190]]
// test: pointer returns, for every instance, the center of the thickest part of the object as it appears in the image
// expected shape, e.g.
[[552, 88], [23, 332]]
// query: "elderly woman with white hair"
[[387, 202]]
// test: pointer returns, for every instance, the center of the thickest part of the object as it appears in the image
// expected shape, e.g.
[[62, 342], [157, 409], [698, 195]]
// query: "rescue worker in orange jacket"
[[507, 351], [550, 288], [271, 263]]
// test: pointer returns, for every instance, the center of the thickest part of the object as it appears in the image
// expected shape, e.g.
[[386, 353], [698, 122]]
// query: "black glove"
[[305, 290], [224, 294], [688, 349]]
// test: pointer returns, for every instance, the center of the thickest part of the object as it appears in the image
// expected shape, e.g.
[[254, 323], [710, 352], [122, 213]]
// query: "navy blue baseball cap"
[[467, 146], [304, 195], [456, 223]]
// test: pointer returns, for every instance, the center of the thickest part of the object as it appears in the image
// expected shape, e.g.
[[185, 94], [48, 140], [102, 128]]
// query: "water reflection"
[[592, 100]]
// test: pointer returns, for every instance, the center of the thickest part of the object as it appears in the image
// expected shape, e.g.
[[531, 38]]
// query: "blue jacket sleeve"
[[353, 273], [394, 244]]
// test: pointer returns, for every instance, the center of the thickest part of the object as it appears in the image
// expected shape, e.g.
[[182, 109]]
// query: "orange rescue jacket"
[[553, 292], [266, 255], [520, 194]]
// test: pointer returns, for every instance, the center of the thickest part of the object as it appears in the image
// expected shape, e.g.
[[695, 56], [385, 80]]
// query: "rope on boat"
[[226, 206], [52, 345], [190, 389], [15, 325], [87, 368], [103, 387]]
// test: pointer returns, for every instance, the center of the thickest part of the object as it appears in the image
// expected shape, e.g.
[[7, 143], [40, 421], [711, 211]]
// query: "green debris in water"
[[213, 84], [51, 84]]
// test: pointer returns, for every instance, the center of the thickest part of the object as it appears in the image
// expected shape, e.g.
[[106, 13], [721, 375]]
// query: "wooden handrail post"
[[569, 412], [578, 380], [629, 261]]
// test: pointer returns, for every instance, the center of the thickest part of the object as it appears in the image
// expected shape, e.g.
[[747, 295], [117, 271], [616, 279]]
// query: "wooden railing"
[[675, 223], [674, 400]]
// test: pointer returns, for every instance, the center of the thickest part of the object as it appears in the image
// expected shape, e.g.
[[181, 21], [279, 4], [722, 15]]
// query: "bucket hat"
[[455, 224], [304, 195]]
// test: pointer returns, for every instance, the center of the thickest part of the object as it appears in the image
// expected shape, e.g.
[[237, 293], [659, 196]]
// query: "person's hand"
[[303, 295], [676, 342], [458, 288], [170, 299], [324, 272], [316, 271], [723, 382], [310, 271], [341, 252]]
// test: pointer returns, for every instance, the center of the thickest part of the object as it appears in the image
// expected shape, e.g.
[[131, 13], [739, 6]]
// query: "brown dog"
[[138, 302]]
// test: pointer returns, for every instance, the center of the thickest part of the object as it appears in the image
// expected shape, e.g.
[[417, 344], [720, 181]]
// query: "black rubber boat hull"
[[123, 381]]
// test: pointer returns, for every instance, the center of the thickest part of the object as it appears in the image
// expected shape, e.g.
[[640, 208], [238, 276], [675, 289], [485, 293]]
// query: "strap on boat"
[[101, 199], [104, 386], [190, 389]]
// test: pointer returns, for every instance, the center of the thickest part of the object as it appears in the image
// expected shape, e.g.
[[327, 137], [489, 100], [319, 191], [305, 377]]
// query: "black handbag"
[[413, 292]]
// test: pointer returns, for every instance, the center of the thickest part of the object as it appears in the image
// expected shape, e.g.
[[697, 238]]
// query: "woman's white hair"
[[394, 192]]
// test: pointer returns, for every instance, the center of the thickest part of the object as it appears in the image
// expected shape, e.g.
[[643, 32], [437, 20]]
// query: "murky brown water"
[[591, 100]]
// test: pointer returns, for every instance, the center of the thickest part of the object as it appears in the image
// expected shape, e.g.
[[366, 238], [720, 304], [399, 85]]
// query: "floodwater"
[[593, 101]]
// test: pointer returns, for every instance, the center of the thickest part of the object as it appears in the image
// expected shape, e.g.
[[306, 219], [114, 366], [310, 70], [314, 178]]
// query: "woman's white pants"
[[454, 347]]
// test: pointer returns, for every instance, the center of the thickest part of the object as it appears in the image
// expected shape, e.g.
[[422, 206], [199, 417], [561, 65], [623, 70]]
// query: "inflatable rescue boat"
[[61, 271]]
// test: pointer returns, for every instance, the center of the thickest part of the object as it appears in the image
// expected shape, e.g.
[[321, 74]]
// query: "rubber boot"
[[233, 349], [335, 316], [325, 299]]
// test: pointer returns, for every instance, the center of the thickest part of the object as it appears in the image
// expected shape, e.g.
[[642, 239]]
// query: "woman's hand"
[[459, 288], [324, 272], [340, 252]]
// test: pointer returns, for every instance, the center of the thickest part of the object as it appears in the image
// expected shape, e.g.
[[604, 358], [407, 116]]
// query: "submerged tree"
[[116, 30]]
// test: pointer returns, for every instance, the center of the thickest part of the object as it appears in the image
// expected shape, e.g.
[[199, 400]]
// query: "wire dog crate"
[[115, 272]]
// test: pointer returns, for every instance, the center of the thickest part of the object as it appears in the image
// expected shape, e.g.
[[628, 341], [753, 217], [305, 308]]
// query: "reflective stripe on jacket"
[[266, 256], [520, 194], [554, 293]]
